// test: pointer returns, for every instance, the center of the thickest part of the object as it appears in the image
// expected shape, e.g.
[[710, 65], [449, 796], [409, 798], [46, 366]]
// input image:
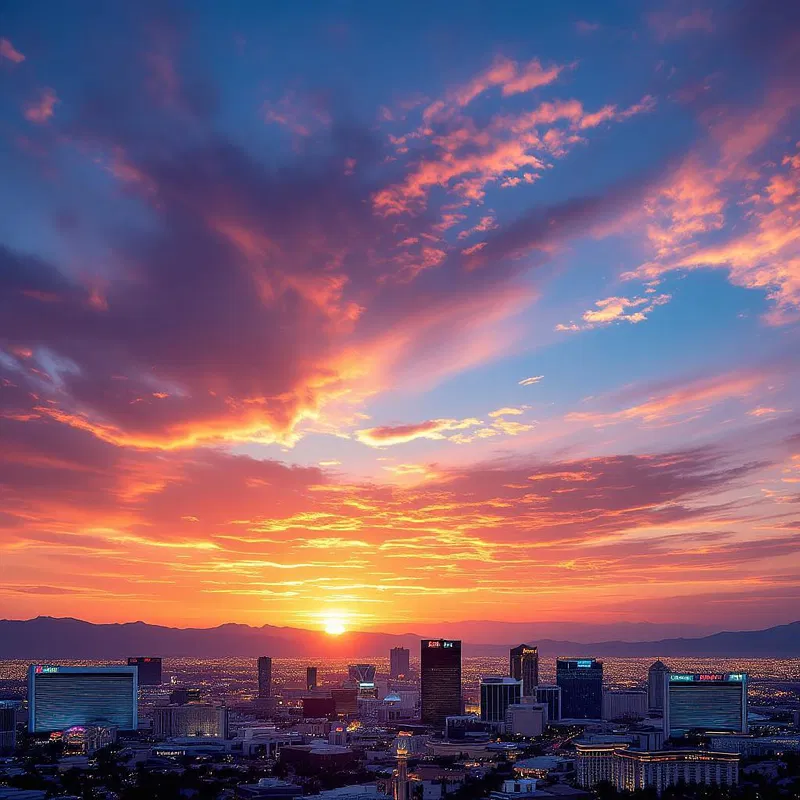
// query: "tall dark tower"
[[311, 678], [524, 666], [440, 686], [581, 682], [264, 677], [398, 662], [655, 685]]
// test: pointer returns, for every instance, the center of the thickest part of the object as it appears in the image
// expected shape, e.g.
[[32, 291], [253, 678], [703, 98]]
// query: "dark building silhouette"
[[363, 676], [8, 728], [316, 707], [551, 697], [148, 668], [581, 682], [497, 694], [185, 694], [264, 677], [311, 678], [524, 666], [399, 662], [440, 680]]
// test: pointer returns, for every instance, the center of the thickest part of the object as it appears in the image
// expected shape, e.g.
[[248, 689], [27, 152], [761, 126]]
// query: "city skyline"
[[361, 320]]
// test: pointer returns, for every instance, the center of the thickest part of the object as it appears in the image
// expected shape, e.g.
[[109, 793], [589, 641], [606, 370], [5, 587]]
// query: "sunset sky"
[[393, 314]]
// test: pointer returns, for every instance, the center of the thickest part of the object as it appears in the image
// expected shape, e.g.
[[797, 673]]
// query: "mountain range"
[[49, 638]]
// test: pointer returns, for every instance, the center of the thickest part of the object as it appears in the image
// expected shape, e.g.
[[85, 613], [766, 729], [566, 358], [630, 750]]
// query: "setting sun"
[[334, 627]]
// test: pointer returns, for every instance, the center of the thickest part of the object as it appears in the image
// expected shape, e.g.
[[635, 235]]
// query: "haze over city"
[[410, 318]]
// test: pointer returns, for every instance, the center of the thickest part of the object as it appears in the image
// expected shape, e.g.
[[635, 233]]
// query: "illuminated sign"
[[447, 644], [676, 678], [433, 644], [736, 676], [45, 670], [713, 676], [529, 651], [584, 663]]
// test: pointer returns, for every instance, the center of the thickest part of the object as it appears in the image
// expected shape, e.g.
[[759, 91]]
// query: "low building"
[[360, 791], [88, 739], [545, 767], [756, 745], [624, 704], [318, 755], [194, 719], [519, 787], [638, 769], [526, 719], [628, 769], [269, 789]]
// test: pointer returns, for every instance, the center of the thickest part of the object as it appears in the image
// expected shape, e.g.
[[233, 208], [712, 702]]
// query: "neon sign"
[[711, 677], [674, 678], [44, 670], [584, 663]]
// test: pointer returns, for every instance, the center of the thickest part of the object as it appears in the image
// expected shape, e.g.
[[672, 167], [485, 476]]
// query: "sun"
[[334, 626]]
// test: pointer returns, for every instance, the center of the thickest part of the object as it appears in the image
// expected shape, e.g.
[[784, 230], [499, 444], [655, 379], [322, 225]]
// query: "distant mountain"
[[49, 638]]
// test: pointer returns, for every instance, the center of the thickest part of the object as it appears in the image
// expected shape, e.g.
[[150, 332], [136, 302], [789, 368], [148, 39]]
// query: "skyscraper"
[[440, 680], [705, 702], [60, 697], [551, 697], [264, 677], [581, 682], [148, 670], [524, 666], [8, 728], [398, 662], [311, 678], [497, 694], [655, 685]]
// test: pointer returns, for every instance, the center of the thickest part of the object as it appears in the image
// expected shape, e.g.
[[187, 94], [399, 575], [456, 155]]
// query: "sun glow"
[[334, 626]]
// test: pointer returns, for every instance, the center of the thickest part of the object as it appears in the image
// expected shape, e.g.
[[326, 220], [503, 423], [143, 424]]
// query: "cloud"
[[507, 411], [671, 24], [386, 435], [617, 309], [531, 381], [41, 110], [8, 51]]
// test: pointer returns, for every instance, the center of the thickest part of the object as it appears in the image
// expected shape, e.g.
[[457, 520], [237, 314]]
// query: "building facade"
[[61, 697], [8, 728], [264, 677], [195, 719], [624, 704], [148, 670], [399, 662], [524, 666], [497, 694], [655, 685], [363, 676], [550, 695], [581, 682], [526, 719], [705, 702], [440, 680], [311, 678]]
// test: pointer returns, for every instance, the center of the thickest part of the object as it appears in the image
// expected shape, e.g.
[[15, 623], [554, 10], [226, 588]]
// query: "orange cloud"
[[617, 309], [506, 411], [43, 109], [386, 435]]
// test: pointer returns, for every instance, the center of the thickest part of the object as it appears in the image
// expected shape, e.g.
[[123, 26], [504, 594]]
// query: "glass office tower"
[[440, 680], [149, 670], [524, 666], [581, 682], [705, 702], [60, 697]]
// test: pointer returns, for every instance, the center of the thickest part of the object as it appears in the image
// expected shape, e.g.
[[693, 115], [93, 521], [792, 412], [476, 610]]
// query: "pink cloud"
[[42, 109], [8, 51], [617, 309]]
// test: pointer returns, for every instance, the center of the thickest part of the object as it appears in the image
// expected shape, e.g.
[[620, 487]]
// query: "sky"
[[393, 315]]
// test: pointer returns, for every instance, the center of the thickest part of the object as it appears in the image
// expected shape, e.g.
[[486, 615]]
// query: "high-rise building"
[[400, 782], [311, 678], [363, 676], [581, 682], [551, 697], [440, 680], [399, 661], [8, 728], [185, 694], [524, 666], [655, 685], [497, 694], [148, 668], [624, 704], [61, 697], [264, 677], [709, 702], [195, 719]]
